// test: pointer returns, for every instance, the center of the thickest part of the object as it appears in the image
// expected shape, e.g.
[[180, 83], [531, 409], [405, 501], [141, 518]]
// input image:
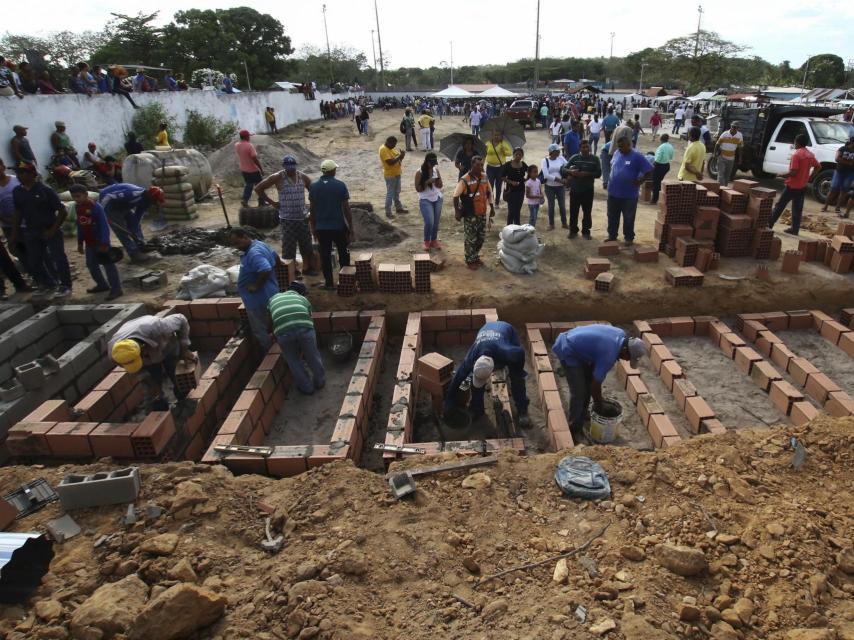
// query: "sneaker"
[[563, 225], [572, 236], [587, 236], [840, 214], [629, 243], [114, 295], [61, 292], [97, 289], [790, 231], [403, 210]]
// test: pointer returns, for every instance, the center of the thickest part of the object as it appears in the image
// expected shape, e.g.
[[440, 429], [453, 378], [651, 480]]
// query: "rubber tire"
[[821, 185], [759, 174], [713, 161]]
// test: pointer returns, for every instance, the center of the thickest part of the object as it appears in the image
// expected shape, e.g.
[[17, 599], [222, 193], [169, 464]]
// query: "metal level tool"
[[402, 483], [398, 448], [265, 452]]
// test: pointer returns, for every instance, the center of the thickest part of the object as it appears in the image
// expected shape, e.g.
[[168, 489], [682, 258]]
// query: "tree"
[[703, 61], [348, 65], [131, 40], [226, 39], [826, 71], [60, 50]]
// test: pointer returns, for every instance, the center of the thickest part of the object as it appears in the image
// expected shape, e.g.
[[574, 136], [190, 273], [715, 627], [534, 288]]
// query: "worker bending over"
[[496, 346], [153, 346], [587, 354]]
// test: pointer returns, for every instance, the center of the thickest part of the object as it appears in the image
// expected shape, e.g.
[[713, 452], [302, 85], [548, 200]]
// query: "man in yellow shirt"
[[426, 122], [498, 152], [694, 158], [161, 139], [728, 148], [391, 160]]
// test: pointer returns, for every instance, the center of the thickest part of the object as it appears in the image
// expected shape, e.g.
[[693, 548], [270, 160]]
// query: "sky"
[[419, 34]]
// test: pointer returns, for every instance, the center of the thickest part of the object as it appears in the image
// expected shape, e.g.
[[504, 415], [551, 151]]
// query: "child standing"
[[93, 240], [533, 194]]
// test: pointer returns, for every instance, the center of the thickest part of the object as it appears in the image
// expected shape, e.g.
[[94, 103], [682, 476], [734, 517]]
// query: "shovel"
[[222, 203]]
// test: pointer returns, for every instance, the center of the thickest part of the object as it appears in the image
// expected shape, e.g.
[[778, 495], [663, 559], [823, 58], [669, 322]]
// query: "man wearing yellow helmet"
[[153, 346]]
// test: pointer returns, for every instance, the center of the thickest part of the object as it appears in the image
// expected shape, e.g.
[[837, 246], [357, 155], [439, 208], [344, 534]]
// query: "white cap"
[[637, 350], [483, 368]]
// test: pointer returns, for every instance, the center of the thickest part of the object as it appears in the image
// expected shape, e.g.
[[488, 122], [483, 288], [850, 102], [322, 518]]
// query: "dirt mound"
[[373, 231], [270, 150], [190, 240]]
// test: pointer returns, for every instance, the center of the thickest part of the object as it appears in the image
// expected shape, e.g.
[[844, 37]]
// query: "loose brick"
[[763, 374], [635, 387], [435, 367], [682, 390], [657, 355], [802, 412], [712, 426], [697, 410], [71, 439], [745, 357], [839, 404], [819, 386], [670, 371], [800, 369], [783, 395], [661, 427], [112, 440]]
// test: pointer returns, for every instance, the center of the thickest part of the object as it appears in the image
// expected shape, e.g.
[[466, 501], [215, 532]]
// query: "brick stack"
[[365, 271], [735, 232], [684, 276], [686, 251], [604, 282], [421, 273], [733, 201], [434, 376], [706, 222], [791, 261], [286, 272], [744, 186], [187, 375], [347, 281], [676, 207], [840, 255], [595, 266], [385, 277]]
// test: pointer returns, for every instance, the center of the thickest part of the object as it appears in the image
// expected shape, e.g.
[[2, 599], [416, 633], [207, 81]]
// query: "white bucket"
[[605, 429]]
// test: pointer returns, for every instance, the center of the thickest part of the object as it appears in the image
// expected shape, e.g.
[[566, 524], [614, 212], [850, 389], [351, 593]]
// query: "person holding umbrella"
[[463, 158]]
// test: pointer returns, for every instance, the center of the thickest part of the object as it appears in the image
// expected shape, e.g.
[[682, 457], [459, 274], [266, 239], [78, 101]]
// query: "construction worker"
[[256, 282], [294, 330], [587, 354], [496, 346], [125, 205], [152, 347]]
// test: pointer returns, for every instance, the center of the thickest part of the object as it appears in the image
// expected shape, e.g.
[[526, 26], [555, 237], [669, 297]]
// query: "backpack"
[[403, 126]]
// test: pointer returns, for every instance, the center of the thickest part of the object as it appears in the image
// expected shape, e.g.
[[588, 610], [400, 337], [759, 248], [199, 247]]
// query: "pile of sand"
[[373, 231], [270, 150]]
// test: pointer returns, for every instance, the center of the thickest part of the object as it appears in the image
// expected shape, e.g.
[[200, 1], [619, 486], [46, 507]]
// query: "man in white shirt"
[[678, 119], [728, 150], [594, 128], [476, 117]]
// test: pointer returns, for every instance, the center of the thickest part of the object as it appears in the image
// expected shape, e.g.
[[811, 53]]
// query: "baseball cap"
[[59, 123], [553, 147], [483, 368], [637, 350], [244, 133], [127, 354], [156, 194], [328, 165], [289, 161], [19, 127]]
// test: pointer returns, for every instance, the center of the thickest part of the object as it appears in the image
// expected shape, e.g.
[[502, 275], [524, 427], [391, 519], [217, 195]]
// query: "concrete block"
[[74, 332], [7, 348], [13, 314], [22, 356], [6, 371], [105, 312], [50, 340], [31, 375], [11, 390], [35, 327], [76, 314], [114, 487]]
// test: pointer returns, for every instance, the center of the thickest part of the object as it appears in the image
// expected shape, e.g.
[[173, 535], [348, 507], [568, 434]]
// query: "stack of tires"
[[180, 203], [264, 217]]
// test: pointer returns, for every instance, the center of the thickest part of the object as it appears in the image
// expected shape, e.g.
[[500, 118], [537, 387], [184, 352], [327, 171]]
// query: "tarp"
[[498, 92], [667, 98], [452, 92], [285, 86], [703, 95]]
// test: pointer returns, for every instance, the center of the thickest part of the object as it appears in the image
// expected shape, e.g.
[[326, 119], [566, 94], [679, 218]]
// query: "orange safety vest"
[[479, 195]]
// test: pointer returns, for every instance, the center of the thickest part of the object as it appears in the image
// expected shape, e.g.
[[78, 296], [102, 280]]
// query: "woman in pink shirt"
[[250, 166]]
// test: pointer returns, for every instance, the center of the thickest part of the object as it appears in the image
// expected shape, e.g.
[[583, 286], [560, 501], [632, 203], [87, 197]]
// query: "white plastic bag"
[[205, 281], [233, 272], [514, 233], [525, 255]]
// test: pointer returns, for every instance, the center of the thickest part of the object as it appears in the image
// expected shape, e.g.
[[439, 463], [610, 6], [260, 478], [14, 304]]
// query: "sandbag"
[[205, 281], [183, 187], [164, 182], [189, 208], [527, 244], [172, 171], [523, 256], [514, 265], [179, 200], [514, 233], [65, 196]]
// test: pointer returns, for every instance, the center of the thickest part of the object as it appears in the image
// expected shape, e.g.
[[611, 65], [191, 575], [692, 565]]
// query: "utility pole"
[[537, 52], [328, 50], [380, 44], [804, 82], [697, 42], [374, 51], [644, 65], [246, 69], [610, 58], [452, 62]]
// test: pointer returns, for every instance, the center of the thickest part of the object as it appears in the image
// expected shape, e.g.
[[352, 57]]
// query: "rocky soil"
[[717, 537]]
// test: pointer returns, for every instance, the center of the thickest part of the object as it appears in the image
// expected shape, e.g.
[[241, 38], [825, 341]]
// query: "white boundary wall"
[[104, 119]]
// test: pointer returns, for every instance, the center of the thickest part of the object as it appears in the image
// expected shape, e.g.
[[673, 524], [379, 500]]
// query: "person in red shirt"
[[802, 167], [250, 166], [655, 124]]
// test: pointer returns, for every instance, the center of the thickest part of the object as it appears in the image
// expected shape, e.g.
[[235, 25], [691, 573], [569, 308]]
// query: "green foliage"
[[61, 49], [131, 40], [347, 65], [146, 121], [825, 70], [207, 132]]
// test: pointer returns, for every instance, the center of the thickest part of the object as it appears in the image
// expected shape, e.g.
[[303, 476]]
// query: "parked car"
[[525, 112], [769, 139]]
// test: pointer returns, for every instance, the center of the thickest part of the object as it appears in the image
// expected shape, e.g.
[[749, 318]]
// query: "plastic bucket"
[[605, 425]]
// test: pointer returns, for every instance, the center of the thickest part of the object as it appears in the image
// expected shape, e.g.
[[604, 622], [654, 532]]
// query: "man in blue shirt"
[[571, 142], [610, 124], [330, 219], [587, 354], [125, 205], [38, 221], [256, 282], [629, 170], [496, 346]]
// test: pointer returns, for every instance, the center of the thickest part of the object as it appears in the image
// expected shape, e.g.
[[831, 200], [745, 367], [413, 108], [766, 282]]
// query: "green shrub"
[[207, 132], [146, 121]]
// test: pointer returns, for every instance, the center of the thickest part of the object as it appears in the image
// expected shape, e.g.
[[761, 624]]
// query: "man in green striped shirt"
[[294, 331]]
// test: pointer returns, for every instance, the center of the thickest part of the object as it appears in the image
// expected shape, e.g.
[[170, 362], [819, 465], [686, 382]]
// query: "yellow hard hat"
[[127, 354]]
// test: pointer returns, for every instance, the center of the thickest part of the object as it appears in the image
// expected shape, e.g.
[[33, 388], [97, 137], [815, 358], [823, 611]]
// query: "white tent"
[[285, 86], [497, 92], [703, 95], [452, 92]]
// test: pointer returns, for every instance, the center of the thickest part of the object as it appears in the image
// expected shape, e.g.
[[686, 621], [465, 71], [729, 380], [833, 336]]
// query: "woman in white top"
[[594, 128], [555, 183], [428, 184], [557, 129]]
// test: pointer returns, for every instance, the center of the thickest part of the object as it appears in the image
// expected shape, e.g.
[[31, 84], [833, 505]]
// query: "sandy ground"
[[557, 292]]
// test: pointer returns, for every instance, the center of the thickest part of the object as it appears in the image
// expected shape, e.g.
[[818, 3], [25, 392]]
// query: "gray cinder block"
[[30, 374], [114, 487]]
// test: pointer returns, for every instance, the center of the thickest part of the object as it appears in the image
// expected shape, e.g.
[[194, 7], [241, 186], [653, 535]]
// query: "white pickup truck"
[[769, 139]]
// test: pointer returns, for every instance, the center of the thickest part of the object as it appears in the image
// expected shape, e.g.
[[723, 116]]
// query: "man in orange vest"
[[472, 197]]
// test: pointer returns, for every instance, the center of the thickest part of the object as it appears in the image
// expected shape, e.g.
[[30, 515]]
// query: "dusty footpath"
[[717, 537]]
